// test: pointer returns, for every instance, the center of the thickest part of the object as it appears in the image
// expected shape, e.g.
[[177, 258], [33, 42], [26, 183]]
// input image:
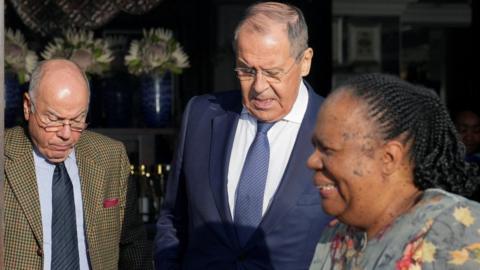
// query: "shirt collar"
[[298, 109], [43, 161]]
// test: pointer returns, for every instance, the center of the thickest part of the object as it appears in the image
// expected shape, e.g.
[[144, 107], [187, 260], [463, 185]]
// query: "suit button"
[[40, 252]]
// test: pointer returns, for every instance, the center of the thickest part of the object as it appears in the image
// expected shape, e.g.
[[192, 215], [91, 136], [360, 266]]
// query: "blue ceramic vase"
[[13, 100], [117, 101], [156, 100]]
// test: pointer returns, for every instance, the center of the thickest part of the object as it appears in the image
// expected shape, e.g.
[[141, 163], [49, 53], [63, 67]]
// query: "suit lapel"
[[292, 184], [91, 175], [23, 182], [223, 133]]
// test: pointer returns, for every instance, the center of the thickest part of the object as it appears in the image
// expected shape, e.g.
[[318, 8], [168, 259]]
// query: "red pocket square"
[[110, 202]]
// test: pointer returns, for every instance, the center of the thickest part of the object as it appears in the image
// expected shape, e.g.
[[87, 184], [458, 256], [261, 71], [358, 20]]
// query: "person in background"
[[387, 162], [239, 195], [68, 201], [468, 125]]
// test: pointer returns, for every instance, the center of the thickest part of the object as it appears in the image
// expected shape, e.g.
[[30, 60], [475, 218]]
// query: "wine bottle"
[[143, 200], [152, 197], [159, 183]]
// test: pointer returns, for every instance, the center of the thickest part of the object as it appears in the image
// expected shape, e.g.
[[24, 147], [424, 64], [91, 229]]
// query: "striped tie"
[[64, 227]]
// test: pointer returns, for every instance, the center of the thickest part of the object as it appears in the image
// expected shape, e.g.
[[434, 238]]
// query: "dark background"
[[205, 30], [205, 27], [197, 27]]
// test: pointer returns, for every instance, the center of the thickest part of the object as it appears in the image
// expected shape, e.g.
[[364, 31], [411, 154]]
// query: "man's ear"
[[306, 62], [26, 106], [393, 157]]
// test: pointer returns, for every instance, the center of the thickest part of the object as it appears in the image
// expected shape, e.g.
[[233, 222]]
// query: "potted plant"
[[19, 64], [156, 53], [93, 55], [18, 58], [154, 58]]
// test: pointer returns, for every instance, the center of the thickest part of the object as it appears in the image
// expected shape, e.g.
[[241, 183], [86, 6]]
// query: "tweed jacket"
[[114, 234]]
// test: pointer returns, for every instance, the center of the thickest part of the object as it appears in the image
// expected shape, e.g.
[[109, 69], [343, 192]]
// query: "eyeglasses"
[[270, 75], [56, 125]]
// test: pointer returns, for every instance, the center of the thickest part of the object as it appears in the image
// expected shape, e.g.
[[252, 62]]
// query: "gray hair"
[[38, 73], [288, 15]]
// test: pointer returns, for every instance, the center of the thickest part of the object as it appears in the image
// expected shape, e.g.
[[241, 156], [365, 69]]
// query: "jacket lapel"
[[23, 182], [91, 175], [292, 183], [291, 186], [223, 133]]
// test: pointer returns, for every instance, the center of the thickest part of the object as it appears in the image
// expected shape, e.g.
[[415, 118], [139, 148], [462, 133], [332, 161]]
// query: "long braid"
[[400, 108]]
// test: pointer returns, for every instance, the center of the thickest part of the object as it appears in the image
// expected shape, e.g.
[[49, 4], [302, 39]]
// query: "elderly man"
[[68, 201], [240, 195]]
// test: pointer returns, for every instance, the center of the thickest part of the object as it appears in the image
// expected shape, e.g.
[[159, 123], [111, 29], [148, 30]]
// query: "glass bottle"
[[143, 200]]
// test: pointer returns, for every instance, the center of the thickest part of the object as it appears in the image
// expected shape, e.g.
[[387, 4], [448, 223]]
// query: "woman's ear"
[[393, 156]]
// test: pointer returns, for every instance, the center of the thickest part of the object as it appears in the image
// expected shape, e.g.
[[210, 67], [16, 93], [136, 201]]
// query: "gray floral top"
[[441, 232]]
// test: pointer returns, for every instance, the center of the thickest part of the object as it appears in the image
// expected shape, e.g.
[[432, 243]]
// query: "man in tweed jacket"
[[112, 236]]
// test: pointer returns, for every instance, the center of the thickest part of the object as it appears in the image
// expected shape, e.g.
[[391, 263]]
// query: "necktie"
[[251, 186], [64, 227]]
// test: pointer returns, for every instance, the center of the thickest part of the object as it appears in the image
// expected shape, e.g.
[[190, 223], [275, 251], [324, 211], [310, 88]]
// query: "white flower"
[[180, 58], [156, 53], [18, 58], [92, 55], [160, 33]]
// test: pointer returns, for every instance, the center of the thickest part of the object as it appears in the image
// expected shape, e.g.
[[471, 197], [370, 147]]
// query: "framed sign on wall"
[[364, 43]]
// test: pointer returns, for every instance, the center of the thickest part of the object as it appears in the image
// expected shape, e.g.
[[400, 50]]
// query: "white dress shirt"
[[281, 137], [44, 173]]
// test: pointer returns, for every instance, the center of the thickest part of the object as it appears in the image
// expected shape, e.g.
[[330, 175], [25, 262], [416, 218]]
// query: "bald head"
[[57, 71]]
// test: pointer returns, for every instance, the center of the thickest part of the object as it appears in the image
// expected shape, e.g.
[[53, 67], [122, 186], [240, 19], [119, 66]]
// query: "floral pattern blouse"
[[441, 232]]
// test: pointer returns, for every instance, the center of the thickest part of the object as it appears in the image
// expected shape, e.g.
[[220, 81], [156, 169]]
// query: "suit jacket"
[[195, 229], [115, 236]]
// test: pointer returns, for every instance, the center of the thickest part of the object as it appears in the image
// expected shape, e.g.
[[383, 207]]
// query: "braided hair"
[[415, 113]]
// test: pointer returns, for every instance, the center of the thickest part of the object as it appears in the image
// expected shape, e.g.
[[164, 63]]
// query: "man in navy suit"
[[200, 225]]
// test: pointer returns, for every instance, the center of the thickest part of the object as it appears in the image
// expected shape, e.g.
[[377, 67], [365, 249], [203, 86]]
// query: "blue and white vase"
[[156, 100], [13, 100], [117, 101]]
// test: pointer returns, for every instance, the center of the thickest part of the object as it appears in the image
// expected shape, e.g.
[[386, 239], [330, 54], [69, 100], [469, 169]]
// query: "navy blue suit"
[[195, 229]]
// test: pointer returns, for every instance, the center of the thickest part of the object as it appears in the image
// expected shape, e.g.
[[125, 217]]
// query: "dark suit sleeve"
[[135, 252], [170, 240]]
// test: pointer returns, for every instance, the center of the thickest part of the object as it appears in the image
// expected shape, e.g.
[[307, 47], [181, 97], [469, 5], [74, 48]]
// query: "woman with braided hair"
[[389, 166]]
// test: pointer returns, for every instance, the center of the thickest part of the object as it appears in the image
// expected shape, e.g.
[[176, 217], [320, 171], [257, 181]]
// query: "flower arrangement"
[[92, 55], [18, 58], [156, 53]]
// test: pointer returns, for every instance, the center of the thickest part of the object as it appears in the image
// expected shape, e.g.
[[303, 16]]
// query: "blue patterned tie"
[[64, 227], [251, 186]]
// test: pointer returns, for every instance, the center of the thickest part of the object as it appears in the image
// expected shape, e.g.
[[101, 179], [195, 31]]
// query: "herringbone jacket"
[[115, 236]]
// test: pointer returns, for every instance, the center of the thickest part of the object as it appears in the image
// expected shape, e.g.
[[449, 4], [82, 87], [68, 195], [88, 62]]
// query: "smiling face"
[[364, 181], [62, 94], [270, 101], [346, 160]]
